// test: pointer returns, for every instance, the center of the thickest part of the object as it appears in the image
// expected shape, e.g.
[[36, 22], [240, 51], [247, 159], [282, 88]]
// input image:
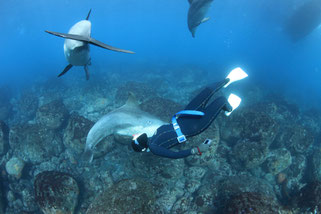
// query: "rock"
[[34, 143], [298, 167], [249, 153], [182, 205], [56, 192], [4, 137], [316, 165], [251, 202], [208, 157], [28, 105], [278, 161], [295, 138], [5, 111], [233, 185], [52, 115], [163, 169], [162, 108], [127, 196], [204, 199], [194, 172], [75, 134], [142, 91], [309, 197], [251, 124], [5, 105], [14, 167]]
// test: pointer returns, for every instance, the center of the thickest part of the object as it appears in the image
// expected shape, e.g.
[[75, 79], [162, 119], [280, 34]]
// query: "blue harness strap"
[[180, 136]]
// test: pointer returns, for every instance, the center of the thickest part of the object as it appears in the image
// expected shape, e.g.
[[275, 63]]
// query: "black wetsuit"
[[165, 136]]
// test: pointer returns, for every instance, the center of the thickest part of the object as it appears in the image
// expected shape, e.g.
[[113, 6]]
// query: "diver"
[[194, 119]]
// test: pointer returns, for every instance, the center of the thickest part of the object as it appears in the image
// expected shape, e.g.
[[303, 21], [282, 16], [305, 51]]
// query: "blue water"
[[244, 33]]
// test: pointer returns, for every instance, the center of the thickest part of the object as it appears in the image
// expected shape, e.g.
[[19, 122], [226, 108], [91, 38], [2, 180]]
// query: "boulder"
[[75, 134], [125, 197], [56, 192], [34, 143], [52, 115]]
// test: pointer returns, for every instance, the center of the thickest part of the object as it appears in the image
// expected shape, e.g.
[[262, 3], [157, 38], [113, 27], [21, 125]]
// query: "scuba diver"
[[197, 116]]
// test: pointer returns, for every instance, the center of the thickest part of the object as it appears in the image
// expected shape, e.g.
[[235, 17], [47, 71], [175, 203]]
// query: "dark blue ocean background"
[[240, 33], [266, 156]]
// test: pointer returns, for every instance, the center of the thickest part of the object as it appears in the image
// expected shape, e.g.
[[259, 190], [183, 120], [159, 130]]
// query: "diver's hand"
[[202, 148]]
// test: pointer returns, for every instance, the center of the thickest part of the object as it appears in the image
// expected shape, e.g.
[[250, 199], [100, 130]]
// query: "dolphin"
[[196, 14], [76, 46], [127, 120], [304, 20]]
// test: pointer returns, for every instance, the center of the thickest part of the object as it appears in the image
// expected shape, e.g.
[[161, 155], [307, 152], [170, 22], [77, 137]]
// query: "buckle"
[[181, 138], [176, 126]]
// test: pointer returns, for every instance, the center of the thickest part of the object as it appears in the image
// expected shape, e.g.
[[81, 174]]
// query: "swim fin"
[[234, 101], [65, 70], [89, 40]]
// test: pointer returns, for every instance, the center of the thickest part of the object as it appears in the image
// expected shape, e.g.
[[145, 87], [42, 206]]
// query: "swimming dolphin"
[[304, 20], [126, 120], [76, 46], [196, 14]]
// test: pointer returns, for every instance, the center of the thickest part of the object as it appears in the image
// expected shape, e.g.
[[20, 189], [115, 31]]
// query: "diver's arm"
[[161, 151]]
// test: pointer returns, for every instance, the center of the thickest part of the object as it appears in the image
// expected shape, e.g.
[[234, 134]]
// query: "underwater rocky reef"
[[265, 158]]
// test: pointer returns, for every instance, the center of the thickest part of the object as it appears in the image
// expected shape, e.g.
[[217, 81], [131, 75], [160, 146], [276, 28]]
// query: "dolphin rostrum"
[[76, 46], [196, 14], [127, 120]]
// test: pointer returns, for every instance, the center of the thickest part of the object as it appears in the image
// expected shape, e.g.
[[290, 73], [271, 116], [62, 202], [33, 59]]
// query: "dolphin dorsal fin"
[[88, 14], [131, 101], [190, 1]]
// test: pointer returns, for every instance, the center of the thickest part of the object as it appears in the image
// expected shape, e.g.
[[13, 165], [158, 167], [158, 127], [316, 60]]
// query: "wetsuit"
[[165, 136]]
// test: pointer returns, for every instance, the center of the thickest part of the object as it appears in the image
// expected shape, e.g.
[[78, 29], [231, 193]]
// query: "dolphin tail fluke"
[[87, 72], [88, 155], [89, 40], [88, 14], [67, 68]]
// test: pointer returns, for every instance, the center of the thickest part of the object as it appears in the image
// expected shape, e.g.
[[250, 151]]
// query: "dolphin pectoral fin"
[[65, 70], [102, 45], [87, 72], [88, 14], [69, 36], [205, 19], [89, 40]]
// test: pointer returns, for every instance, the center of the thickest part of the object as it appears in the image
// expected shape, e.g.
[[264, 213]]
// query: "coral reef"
[[262, 155]]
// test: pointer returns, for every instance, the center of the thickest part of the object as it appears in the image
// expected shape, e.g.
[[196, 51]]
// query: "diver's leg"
[[194, 125], [200, 101]]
